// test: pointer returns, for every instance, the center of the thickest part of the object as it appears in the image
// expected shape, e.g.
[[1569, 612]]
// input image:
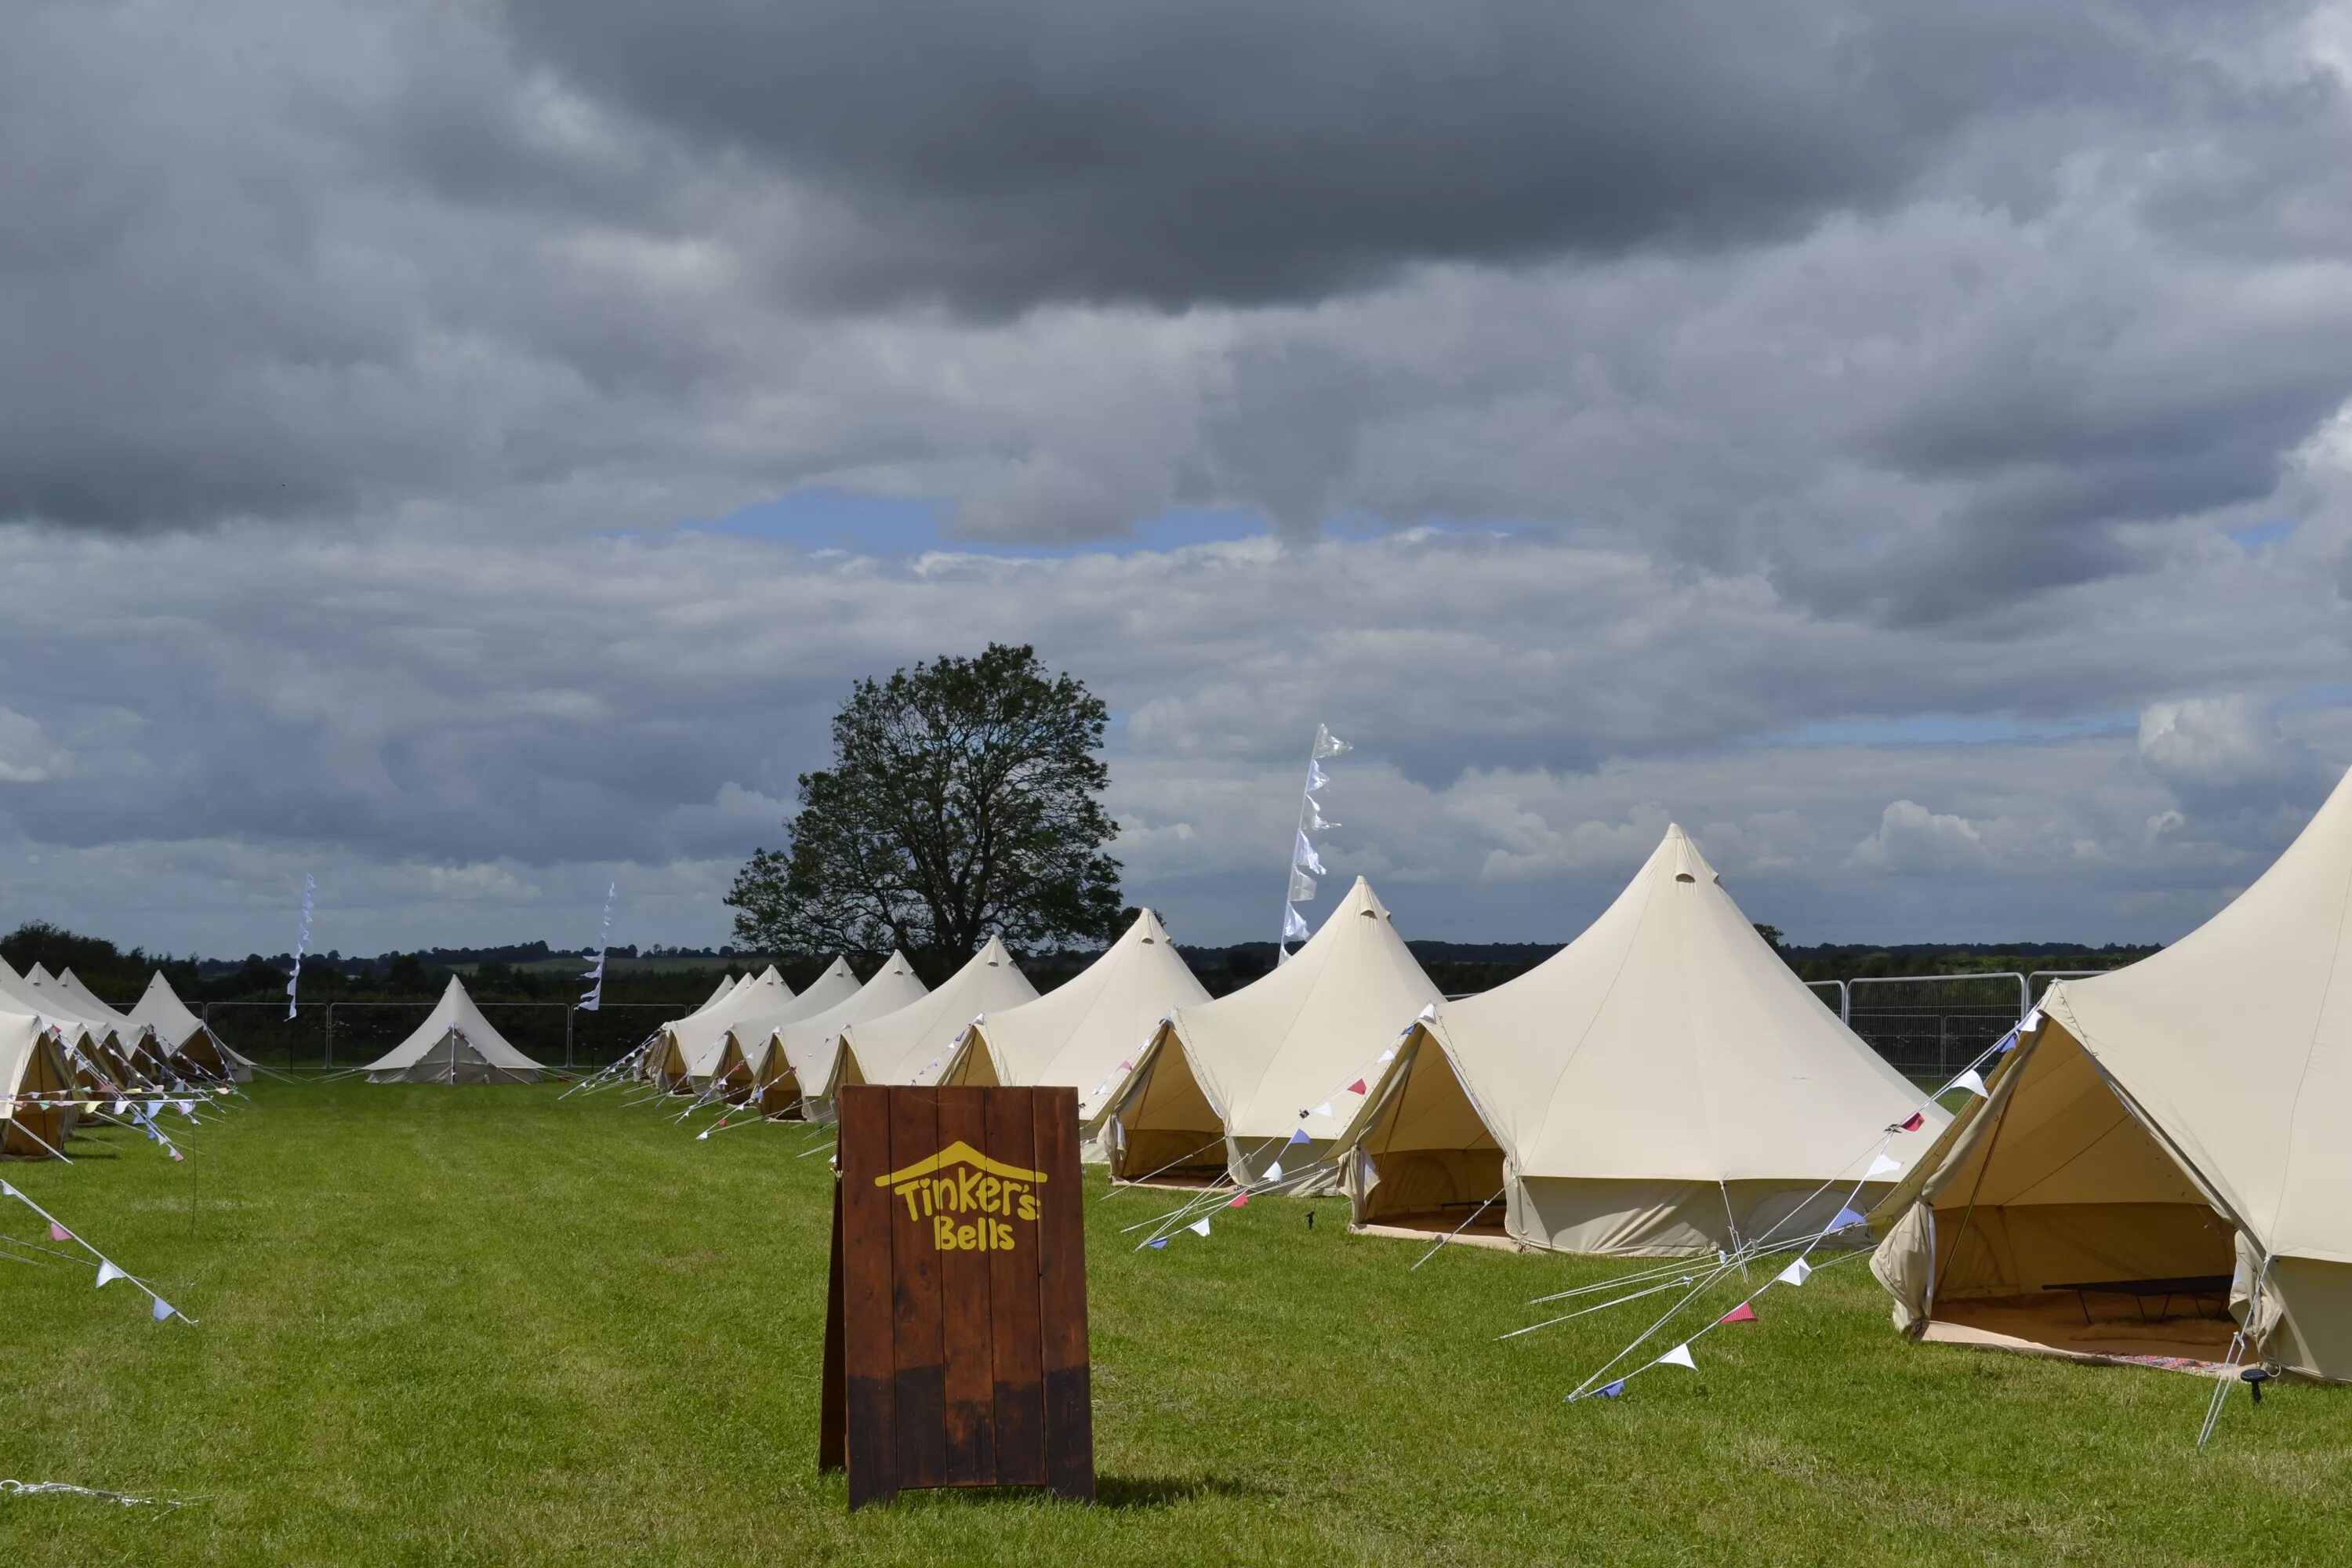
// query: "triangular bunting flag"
[[1298, 1136], [1388, 1056], [1357, 1087], [1797, 1273], [702, 1135], [1915, 1121], [1240, 1202], [1612, 1391], [1273, 1172], [58, 1232], [8, 1191], [1157, 1244], [1846, 1220], [162, 1309], [108, 1273], [1882, 1166], [1678, 1356], [1322, 1110], [1972, 1083], [177, 1155], [1199, 1227], [1742, 1313]]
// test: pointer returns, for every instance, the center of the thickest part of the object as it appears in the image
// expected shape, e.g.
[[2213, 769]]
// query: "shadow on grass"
[[1120, 1492]]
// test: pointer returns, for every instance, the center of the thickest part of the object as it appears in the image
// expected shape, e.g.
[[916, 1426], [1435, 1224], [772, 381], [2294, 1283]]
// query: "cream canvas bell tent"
[[455, 1045], [911, 1044], [667, 1061], [88, 1042], [1664, 1084], [133, 1040], [752, 1039], [800, 1061], [1089, 1032], [181, 1035], [2163, 1142], [36, 1112], [704, 1041], [1269, 1076]]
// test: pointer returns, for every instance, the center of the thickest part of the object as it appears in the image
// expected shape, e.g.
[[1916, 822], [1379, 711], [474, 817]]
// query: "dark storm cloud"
[[1218, 151]]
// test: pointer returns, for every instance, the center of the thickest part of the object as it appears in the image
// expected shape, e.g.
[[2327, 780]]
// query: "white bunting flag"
[[9, 1191], [1294, 925], [1972, 1083], [1199, 1227], [120, 1106], [108, 1273], [1327, 745], [704, 1134], [162, 1309], [1323, 1109], [1302, 886], [1316, 821], [1389, 1055], [1273, 1172], [1315, 778], [1678, 1356], [1305, 857], [2031, 1022], [1882, 1166], [1797, 1273]]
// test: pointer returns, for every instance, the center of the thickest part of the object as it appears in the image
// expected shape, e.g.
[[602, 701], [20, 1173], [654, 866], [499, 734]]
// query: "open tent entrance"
[[1426, 1162], [2063, 1226], [1169, 1134], [780, 1097], [454, 1059]]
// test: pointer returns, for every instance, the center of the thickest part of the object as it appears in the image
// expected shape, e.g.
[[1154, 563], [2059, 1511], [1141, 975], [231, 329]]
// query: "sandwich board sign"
[[955, 1336]]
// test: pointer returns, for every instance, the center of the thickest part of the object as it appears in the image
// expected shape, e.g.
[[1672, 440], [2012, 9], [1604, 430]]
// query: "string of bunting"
[[13, 1488], [1306, 865], [1799, 1268], [109, 1270]]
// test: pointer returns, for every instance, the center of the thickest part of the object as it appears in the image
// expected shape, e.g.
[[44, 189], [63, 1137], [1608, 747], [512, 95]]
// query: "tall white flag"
[[301, 944], [1294, 928], [1327, 745]]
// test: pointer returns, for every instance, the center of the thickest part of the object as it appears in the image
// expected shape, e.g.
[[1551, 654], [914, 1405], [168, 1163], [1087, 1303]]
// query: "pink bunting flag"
[[177, 1155], [1239, 1201], [1742, 1313], [1918, 1119], [58, 1232], [1357, 1087]]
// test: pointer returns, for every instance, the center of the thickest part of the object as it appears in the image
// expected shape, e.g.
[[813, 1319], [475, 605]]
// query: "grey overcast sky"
[[464, 450]]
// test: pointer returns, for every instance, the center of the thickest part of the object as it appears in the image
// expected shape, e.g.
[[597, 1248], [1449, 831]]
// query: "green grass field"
[[481, 1326]]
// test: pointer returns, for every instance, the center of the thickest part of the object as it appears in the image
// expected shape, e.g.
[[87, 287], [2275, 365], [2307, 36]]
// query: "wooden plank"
[[969, 1377], [1069, 1395], [1017, 1341], [868, 1366], [919, 1392], [832, 1414]]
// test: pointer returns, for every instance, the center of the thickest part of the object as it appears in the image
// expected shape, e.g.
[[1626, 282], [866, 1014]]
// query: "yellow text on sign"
[[967, 1198]]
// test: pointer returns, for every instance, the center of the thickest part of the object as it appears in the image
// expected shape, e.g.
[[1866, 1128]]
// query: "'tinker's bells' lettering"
[[967, 1198]]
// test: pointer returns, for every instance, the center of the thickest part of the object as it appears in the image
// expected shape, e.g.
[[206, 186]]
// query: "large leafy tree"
[[962, 800]]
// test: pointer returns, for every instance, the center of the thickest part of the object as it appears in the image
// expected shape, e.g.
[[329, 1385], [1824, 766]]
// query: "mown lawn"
[[481, 1326]]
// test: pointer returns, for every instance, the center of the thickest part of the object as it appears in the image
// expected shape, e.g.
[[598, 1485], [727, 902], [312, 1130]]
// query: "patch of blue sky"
[[826, 518], [2257, 536], [1950, 728]]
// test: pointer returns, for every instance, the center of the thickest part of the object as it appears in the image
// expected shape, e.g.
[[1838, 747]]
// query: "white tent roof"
[[755, 1033], [703, 1037], [1078, 1033], [1295, 1039], [455, 1013], [909, 1045], [1670, 1042], [87, 1002], [160, 1009], [2236, 1042], [810, 1044], [726, 983], [47, 1001]]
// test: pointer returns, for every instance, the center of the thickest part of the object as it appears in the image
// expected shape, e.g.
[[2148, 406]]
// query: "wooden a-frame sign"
[[955, 1336]]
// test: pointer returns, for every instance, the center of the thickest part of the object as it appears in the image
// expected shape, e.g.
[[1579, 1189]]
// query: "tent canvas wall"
[[802, 1052], [133, 1040], [1087, 1032], [669, 1061], [1224, 1088], [1663, 1085], [84, 1038], [181, 1034], [910, 1045], [35, 1117], [455, 1045], [703, 1038], [2179, 1120], [752, 1039]]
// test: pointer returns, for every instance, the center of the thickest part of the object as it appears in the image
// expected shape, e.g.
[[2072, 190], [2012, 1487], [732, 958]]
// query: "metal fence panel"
[[340, 1035], [1935, 1023]]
